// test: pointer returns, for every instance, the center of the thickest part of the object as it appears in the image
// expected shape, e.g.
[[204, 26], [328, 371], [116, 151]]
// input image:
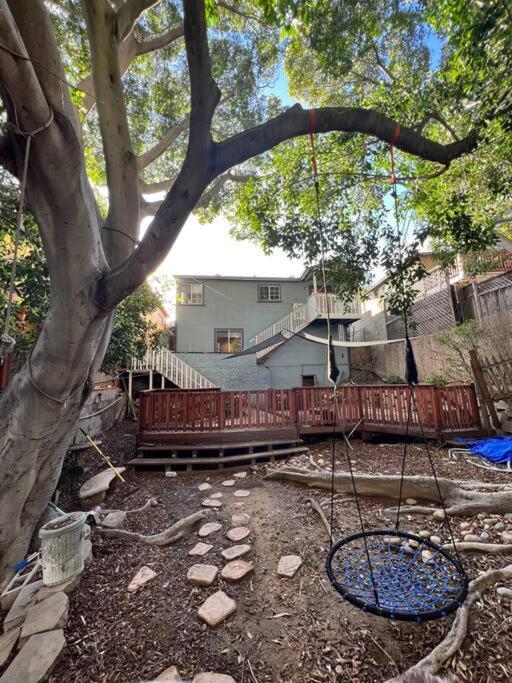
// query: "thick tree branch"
[[154, 43], [168, 139], [129, 14], [157, 186]]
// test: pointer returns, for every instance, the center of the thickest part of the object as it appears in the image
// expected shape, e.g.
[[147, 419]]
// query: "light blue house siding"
[[230, 374], [232, 303]]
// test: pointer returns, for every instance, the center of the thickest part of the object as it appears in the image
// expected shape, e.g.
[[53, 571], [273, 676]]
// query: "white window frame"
[[228, 331], [198, 294], [269, 299]]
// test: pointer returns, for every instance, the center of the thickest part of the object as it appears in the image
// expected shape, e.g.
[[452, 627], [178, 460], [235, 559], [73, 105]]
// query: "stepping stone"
[[242, 493], [202, 574], [289, 565], [209, 528], [100, 483], [237, 570], [144, 575], [240, 519], [238, 533], [240, 475], [64, 587], [411, 501], [7, 642], [204, 487], [209, 677], [170, 675], [200, 549], [209, 503], [25, 599], [37, 659], [236, 551], [115, 520], [216, 609], [49, 615], [229, 482], [216, 495]]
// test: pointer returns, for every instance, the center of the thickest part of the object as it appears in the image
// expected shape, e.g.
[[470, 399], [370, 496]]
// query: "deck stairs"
[[173, 368]]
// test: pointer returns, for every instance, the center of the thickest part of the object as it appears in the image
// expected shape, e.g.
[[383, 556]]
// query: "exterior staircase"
[[173, 368]]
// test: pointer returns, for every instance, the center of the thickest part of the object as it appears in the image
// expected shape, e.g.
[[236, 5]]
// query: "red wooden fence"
[[374, 407]]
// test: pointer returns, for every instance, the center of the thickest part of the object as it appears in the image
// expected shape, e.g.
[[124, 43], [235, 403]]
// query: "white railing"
[[173, 368], [291, 321]]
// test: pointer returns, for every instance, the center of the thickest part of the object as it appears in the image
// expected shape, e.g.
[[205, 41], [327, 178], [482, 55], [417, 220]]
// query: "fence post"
[[436, 410], [361, 410]]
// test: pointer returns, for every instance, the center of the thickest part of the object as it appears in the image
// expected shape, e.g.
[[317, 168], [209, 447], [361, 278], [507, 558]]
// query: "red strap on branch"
[[312, 130], [394, 138]]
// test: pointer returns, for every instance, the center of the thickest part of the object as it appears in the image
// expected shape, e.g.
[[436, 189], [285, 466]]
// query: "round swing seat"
[[415, 582]]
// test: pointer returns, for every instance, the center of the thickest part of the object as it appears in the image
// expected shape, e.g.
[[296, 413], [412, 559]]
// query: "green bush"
[[438, 380]]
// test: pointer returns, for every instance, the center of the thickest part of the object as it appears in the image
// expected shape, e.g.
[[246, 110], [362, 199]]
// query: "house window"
[[308, 380], [269, 292], [228, 341], [320, 289], [190, 293]]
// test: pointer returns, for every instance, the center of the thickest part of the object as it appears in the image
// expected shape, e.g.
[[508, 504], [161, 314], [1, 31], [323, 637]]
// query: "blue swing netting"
[[497, 449], [400, 582]]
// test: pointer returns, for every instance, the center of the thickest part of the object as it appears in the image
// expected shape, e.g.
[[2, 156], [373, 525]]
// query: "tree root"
[[151, 502], [434, 661], [166, 537], [461, 498], [318, 508], [474, 547]]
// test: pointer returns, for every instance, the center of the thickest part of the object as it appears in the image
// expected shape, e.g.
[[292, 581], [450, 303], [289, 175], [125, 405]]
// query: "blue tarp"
[[497, 449]]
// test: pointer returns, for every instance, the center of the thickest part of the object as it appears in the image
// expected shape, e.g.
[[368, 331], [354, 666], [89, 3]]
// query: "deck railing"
[[173, 367], [430, 409]]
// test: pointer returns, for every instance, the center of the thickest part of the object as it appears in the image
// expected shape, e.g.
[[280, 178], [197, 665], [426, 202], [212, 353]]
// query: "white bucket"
[[62, 548]]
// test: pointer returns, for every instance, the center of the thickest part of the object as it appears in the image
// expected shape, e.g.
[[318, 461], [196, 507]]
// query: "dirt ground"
[[284, 631]]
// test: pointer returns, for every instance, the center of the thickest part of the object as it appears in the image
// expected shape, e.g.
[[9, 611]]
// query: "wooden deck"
[[177, 417]]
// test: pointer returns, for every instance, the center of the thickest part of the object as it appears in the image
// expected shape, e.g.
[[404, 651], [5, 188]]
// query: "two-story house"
[[219, 316]]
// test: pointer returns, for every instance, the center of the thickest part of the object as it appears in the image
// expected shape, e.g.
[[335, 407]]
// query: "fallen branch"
[[165, 537], [464, 498], [434, 661], [151, 502], [318, 508], [475, 547]]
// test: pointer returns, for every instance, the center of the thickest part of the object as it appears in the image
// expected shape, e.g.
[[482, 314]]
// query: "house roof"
[[253, 278]]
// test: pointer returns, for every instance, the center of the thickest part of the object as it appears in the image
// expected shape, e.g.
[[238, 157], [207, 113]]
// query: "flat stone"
[[242, 493], [424, 533], [236, 551], [209, 677], [37, 659], [238, 533], [115, 520], [439, 516], [170, 675], [240, 475], [237, 570], [216, 609], [204, 487], [48, 615], [506, 537], [229, 482], [240, 519], [488, 520], [200, 549], [507, 515], [99, 483], [209, 528], [503, 591], [216, 495], [7, 642], [144, 575], [471, 538], [64, 587], [25, 599], [210, 503], [436, 539], [202, 574], [394, 540], [411, 501], [289, 565]]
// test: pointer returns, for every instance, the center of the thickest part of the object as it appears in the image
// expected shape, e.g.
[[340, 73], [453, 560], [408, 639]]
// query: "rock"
[[216, 609], [500, 526], [502, 591], [209, 677], [242, 493], [211, 503], [484, 536], [240, 519], [507, 515], [411, 501], [48, 615], [202, 574], [237, 570], [200, 549], [238, 533], [25, 599], [144, 575], [170, 675], [115, 520], [236, 551], [480, 515], [88, 557], [471, 538], [288, 565], [394, 540], [426, 555], [7, 642], [436, 539], [240, 475], [413, 544], [424, 533], [64, 587], [204, 487], [216, 495], [37, 659], [439, 516], [465, 525], [99, 484], [209, 528], [506, 537], [229, 482], [488, 520]]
